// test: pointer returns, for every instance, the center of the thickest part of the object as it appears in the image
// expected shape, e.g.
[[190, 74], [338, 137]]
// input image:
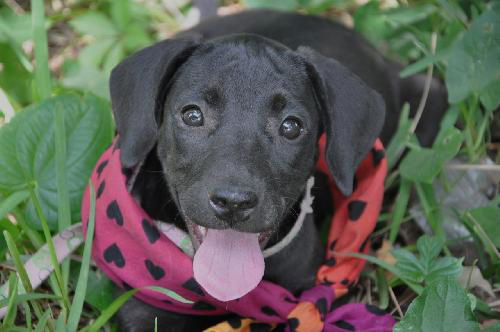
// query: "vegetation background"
[[436, 260]]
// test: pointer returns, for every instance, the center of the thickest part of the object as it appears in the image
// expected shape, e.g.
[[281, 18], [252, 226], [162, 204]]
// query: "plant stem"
[[52, 250], [42, 74]]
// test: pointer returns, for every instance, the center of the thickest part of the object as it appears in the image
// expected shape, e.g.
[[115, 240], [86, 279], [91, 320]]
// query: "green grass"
[[39, 75]]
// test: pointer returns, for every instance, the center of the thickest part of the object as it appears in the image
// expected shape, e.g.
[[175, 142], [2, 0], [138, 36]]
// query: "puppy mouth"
[[198, 234]]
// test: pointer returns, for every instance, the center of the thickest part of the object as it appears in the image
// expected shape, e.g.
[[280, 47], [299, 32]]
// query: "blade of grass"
[[42, 75], [10, 316], [60, 324], [52, 250], [12, 201], [23, 275], [400, 138], [169, 293], [399, 208], [63, 211], [42, 323], [431, 208], [110, 311], [27, 316], [427, 87], [31, 297], [489, 246], [34, 237], [16, 257], [81, 286]]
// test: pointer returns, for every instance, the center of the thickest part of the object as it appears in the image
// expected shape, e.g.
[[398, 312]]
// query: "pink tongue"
[[228, 264]]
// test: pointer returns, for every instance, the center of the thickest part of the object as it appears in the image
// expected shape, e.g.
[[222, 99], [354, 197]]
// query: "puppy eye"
[[192, 116], [291, 128]]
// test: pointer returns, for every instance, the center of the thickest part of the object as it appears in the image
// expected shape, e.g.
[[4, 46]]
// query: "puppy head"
[[236, 122]]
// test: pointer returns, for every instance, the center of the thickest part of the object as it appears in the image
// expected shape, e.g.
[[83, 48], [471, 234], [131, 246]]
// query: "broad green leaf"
[[27, 157], [490, 96], [423, 165], [95, 24], [443, 267], [443, 306], [489, 219], [429, 247], [428, 266], [409, 265], [475, 60]]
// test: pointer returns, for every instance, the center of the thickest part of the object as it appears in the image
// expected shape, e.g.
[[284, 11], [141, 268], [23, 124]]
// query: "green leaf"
[[94, 53], [120, 12], [409, 265], [86, 77], [399, 208], [281, 5], [114, 56], [391, 268], [12, 201], [475, 60], [15, 79], [95, 24], [400, 138], [489, 219], [43, 80], [443, 306], [42, 323], [30, 297], [428, 266], [136, 36], [490, 96], [100, 290], [27, 157], [169, 293], [18, 26], [429, 247], [423, 164], [443, 267], [422, 64], [11, 301]]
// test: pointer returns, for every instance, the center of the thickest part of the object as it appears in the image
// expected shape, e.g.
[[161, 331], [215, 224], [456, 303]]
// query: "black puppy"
[[222, 124]]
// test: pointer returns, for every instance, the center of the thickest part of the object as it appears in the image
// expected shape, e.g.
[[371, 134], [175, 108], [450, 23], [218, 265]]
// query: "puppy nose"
[[233, 205]]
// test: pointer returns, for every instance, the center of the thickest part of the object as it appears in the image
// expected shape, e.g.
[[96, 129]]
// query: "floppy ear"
[[137, 87], [352, 112]]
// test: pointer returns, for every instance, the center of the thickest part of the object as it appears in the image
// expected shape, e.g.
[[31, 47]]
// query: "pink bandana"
[[135, 253]]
